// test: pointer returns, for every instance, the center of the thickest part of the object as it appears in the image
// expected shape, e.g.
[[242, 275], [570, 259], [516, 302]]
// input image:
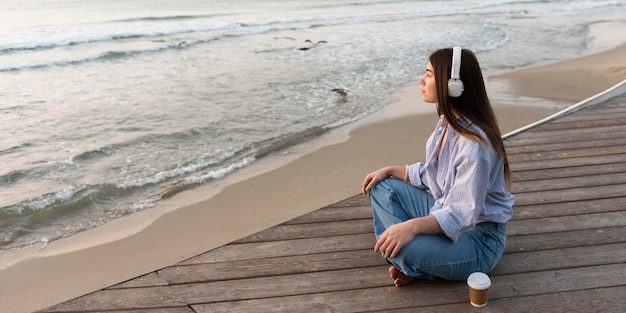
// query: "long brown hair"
[[472, 104]]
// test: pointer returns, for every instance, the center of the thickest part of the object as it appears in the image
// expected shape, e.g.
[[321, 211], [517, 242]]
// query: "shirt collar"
[[463, 121]]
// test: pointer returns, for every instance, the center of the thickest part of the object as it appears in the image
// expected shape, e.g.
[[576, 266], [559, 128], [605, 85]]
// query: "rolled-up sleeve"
[[414, 175]]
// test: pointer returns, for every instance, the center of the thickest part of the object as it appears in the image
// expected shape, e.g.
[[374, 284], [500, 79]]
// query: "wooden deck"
[[566, 248]]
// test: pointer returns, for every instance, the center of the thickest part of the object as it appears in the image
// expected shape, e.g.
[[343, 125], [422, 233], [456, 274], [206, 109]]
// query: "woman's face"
[[429, 90]]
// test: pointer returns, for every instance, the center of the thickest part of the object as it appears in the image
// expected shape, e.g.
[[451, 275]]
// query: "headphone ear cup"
[[455, 88]]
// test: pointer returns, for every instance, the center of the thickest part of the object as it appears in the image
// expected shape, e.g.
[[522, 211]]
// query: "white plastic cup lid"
[[479, 281]]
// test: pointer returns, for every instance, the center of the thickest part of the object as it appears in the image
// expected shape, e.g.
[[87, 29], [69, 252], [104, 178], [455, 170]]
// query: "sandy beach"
[[291, 183]]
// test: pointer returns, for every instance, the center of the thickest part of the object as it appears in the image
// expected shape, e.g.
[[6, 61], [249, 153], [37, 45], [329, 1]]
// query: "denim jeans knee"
[[395, 201]]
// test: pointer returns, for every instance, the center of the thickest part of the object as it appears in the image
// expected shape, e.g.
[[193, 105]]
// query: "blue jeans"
[[434, 255]]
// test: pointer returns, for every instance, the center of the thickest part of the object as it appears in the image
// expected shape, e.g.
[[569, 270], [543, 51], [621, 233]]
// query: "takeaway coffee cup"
[[479, 284]]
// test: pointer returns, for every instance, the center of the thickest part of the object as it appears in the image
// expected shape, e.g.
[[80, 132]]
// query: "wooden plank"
[[149, 280], [429, 293], [589, 300], [527, 143], [604, 113], [186, 309], [545, 139], [539, 136], [355, 300], [361, 211], [566, 223], [122, 299], [546, 260], [568, 195], [590, 180], [560, 280], [240, 269], [600, 112], [356, 200], [281, 286], [558, 146], [300, 231], [567, 162], [596, 169], [588, 206], [521, 211], [612, 111], [563, 154], [589, 121], [248, 251], [565, 239]]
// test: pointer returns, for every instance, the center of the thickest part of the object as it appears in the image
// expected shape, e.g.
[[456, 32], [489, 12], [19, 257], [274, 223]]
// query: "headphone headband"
[[456, 63], [455, 85]]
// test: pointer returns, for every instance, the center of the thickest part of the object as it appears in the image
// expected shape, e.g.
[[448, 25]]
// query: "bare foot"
[[399, 279]]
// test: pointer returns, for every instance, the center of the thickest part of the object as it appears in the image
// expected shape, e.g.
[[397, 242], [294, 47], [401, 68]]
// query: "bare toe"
[[399, 278], [393, 272]]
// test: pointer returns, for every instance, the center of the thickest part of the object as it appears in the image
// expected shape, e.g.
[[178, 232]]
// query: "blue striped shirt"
[[467, 180]]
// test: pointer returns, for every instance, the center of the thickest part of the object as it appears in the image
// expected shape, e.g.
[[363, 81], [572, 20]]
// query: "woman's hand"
[[374, 177], [394, 238], [398, 235]]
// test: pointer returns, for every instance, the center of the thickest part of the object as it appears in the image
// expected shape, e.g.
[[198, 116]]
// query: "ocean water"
[[109, 106]]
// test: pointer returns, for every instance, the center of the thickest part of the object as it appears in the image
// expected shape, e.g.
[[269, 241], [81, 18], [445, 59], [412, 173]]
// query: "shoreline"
[[316, 173], [578, 78]]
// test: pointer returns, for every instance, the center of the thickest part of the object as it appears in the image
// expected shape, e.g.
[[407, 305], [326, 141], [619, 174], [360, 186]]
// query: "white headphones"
[[455, 85]]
